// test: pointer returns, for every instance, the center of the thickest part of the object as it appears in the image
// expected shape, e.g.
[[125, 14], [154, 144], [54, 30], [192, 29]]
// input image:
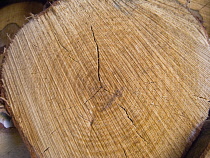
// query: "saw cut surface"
[[109, 79], [201, 10]]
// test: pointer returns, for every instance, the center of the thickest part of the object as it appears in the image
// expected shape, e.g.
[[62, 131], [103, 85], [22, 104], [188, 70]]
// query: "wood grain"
[[12, 18], [201, 10], [109, 79]]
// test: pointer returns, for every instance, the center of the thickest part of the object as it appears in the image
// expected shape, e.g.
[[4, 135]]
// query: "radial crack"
[[66, 50], [92, 95], [202, 98], [125, 153], [46, 149], [55, 34], [126, 112], [141, 136], [98, 55]]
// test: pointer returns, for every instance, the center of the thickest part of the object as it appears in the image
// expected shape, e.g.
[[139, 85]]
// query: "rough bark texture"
[[109, 79]]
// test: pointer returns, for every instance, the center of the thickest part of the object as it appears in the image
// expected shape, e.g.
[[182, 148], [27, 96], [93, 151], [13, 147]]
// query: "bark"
[[109, 79]]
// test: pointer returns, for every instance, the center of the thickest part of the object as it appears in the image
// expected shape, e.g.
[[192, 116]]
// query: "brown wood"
[[109, 79]]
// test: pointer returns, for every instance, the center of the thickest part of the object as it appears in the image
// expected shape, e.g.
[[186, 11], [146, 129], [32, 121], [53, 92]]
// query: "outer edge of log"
[[12, 22], [193, 8], [200, 146], [16, 124], [202, 25], [4, 94], [24, 13], [30, 147]]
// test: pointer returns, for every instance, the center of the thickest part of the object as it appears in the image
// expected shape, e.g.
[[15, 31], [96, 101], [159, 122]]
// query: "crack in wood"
[[55, 34], [90, 121], [92, 95], [126, 112], [124, 152], [202, 98], [53, 131], [46, 149], [204, 6], [98, 55], [90, 111], [67, 51]]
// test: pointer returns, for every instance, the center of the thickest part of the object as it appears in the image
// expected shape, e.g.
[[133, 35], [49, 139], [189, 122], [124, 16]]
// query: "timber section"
[[109, 79], [13, 17], [201, 10]]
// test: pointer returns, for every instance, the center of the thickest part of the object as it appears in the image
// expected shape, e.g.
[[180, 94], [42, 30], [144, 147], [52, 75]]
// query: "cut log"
[[200, 9], [12, 18], [109, 79]]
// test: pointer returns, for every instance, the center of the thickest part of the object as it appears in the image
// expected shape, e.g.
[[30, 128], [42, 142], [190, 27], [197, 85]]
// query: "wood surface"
[[109, 78], [12, 18], [200, 9]]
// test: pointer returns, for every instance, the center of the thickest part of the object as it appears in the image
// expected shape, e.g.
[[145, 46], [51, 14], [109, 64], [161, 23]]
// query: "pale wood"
[[109, 79], [12, 18]]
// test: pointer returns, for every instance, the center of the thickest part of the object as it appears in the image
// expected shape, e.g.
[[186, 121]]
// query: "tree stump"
[[109, 78]]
